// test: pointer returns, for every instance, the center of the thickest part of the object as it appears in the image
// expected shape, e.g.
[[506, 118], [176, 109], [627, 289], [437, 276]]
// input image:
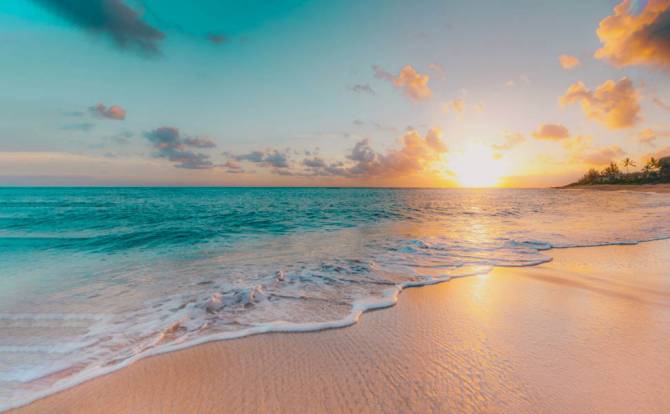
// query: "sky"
[[383, 93]]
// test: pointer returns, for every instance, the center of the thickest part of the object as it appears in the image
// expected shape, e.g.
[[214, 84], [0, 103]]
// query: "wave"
[[153, 271], [388, 298]]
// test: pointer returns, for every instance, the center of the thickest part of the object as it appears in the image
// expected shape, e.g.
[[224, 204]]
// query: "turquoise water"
[[92, 279]]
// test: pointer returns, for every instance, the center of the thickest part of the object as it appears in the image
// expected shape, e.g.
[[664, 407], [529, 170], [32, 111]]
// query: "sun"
[[476, 166]]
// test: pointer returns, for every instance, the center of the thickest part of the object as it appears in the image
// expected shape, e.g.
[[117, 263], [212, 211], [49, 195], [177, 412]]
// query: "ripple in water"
[[94, 279]]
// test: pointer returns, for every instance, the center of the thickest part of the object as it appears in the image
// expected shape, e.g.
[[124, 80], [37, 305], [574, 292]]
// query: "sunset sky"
[[353, 93]]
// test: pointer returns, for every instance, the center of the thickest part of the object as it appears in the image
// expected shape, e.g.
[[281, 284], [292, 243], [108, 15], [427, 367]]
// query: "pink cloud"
[[113, 112], [551, 132]]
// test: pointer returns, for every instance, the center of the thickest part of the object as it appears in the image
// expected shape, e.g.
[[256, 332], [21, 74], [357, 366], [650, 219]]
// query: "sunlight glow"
[[477, 167]]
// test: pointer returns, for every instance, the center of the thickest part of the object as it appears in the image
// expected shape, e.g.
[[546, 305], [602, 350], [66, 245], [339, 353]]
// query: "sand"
[[588, 332], [652, 188]]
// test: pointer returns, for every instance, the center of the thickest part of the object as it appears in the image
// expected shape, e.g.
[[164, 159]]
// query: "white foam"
[[170, 317]]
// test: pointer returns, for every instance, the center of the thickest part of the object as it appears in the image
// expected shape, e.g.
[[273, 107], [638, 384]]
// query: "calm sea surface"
[[92, 279]]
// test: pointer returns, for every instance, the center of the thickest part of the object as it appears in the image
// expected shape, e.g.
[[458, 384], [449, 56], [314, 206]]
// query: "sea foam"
[[128, 273]]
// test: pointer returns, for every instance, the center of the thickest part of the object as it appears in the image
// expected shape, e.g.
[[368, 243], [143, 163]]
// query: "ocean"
[[92, 279]]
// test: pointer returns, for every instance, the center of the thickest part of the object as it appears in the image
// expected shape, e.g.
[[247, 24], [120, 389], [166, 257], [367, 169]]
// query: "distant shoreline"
[[653, 188]]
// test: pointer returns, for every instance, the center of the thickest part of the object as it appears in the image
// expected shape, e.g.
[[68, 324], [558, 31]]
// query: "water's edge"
[[389, 299]]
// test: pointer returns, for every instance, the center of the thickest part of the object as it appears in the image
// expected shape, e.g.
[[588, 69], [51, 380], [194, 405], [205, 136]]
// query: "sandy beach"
[[587, 332]]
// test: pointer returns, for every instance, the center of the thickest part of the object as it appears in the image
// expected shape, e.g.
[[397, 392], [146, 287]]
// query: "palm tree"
[[611, 172], [628, 163], [650, 167]]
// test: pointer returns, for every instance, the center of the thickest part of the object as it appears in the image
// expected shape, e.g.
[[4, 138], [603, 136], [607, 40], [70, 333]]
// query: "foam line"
[[389, 298]]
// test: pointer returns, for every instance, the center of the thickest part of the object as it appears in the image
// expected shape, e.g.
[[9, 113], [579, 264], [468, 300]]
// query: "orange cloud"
[[577, 145], [569, 62], [414, 84], [636, 39], [457, 105], [648, 136], [614, 104], [414, 158], [411, 82], [581, 150], [551, 132], [603, 156]]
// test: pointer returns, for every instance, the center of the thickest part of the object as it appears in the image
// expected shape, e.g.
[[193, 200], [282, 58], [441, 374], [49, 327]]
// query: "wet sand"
[[652, 188], [588, 332]]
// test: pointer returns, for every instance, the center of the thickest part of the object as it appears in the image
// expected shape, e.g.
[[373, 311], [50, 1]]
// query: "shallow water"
[[92, 279]]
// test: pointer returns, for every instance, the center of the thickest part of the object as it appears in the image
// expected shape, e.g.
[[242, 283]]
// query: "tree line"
[[653, 171]]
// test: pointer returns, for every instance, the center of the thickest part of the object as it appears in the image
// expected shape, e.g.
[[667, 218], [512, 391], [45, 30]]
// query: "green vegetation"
[[653, 171]]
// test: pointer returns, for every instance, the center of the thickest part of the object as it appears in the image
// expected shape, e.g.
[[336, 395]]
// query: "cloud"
[[661, 104], [603, 156], [412, 83], [511, 140], [569, 62], [662, 153], [649, 136], [551, 132], [363, 88], [199, 142], [233, 167], [268, 158], [170, 145], [577, 145], [416, 156], [314, 162], [111, 18], [114, 112], [382, 74], [318, 167], [581, 150], [457, 105], [646, 136], [636, 39], [614, 104]]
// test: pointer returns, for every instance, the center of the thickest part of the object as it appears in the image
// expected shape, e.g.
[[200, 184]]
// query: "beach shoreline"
[[652, 188], [490, 343]]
